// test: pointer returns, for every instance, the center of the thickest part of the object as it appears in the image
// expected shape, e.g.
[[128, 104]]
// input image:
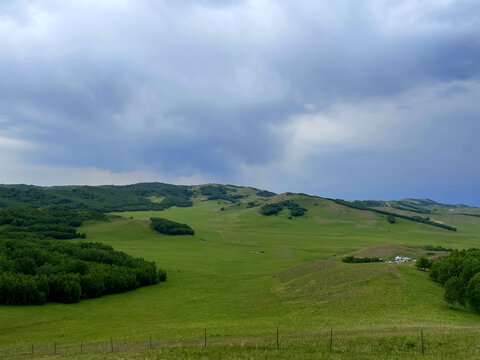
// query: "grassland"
[[242, 275]]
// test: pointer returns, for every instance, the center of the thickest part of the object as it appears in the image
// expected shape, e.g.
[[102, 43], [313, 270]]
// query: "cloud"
[[16, 171], [281, 93], [7, 143], [416, 140]]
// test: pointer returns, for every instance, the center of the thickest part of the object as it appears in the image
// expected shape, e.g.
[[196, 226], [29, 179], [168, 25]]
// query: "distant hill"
[[422, 206], [160, 196], [109, 198]]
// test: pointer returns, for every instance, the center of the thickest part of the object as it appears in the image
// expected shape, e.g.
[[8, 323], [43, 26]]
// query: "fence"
[[276, 340]]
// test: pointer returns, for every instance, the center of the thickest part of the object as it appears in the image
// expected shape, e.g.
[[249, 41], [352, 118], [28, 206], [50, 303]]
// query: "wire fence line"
[[140, 343]]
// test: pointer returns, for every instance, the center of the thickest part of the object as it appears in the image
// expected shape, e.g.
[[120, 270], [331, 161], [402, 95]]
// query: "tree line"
[[358, 260], [426, 220], [52, 222]]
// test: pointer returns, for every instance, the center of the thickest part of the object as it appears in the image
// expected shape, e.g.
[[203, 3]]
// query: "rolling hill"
[[243, 274]]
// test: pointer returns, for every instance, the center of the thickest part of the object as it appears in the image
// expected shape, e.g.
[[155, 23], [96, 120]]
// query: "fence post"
[[32, 349], [331, 338], [205, 337], [150, 341], [81, 347], [111, 344], [277, 337], [55, 347], [421, 337]]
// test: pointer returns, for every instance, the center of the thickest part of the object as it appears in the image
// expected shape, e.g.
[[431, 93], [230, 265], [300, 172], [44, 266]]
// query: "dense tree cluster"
[[360, 206], [50, 222], [271, 209], [265, 193], [460, 274], [423, 263], [36, 270], [219, 192], [106, 198], [275, 208], [170, 227], [391, 219], [358, 260]]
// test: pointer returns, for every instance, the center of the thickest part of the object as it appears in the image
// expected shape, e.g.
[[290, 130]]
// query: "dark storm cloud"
[[213, 87]]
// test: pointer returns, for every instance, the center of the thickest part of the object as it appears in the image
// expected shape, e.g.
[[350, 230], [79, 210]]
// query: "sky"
[[373, 99]]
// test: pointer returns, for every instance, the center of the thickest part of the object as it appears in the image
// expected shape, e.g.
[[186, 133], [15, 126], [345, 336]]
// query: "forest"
[[38, 264], [459, 272], [107, 198]]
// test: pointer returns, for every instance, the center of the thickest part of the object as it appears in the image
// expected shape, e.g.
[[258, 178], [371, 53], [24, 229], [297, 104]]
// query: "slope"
[[244, 274]]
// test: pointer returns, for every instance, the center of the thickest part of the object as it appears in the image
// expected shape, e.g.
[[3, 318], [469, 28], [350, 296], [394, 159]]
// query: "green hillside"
[[421, 206], [243, 274]]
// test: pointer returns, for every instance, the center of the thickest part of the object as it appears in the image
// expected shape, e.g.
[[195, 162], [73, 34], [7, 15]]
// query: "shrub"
[[162, 275]]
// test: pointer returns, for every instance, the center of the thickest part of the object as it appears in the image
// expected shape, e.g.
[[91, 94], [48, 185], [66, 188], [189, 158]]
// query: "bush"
[[162, 275]]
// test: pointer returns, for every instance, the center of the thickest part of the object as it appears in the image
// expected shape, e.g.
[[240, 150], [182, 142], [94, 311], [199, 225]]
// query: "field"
[[243, 274]]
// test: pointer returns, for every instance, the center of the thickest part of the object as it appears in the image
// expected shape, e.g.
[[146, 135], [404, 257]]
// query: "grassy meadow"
[[243, 274]]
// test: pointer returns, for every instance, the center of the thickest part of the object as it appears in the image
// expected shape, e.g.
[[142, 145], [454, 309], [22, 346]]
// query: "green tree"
[[423, 263], [391, 219], [473, 292], [454, 291]]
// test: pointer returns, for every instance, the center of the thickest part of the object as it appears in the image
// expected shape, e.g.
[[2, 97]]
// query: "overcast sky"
[[371, 99]]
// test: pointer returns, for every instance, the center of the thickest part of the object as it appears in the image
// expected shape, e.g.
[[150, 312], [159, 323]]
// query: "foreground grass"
[[243, 275], [371, 343]]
